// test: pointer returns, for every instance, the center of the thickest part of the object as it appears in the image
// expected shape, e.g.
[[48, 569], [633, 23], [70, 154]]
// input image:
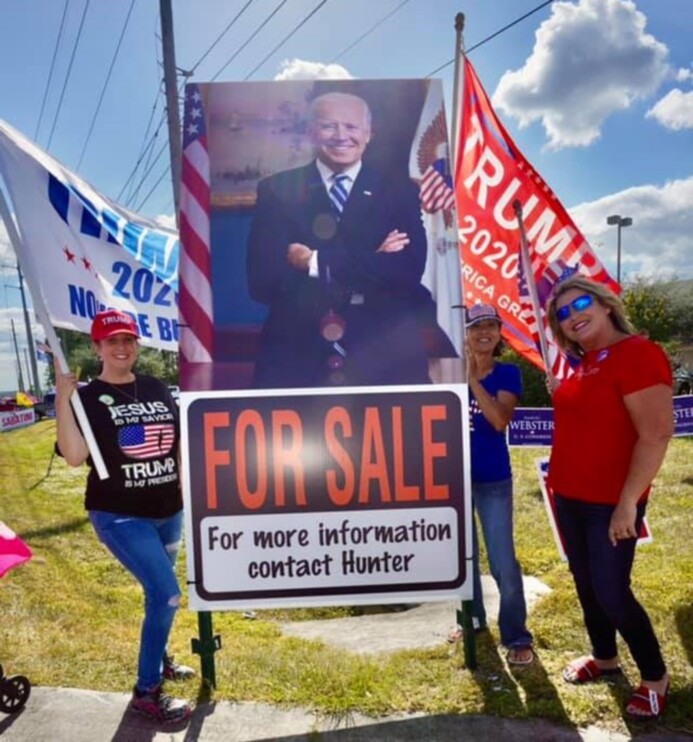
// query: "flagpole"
[[51, 336], [532, 288], [459, 51], [464, 612]]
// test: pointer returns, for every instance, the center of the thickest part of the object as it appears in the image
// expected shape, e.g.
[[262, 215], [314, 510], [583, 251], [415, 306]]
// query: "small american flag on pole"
[[553, 274], [195, 297], [146, 441]]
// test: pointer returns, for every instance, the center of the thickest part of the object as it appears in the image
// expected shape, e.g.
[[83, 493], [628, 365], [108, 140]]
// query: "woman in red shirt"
[[613, 420]]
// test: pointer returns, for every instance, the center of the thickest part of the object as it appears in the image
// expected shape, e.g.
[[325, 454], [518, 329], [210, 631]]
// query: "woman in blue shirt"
[[494, 391]]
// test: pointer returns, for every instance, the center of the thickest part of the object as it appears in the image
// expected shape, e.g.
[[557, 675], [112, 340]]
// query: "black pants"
[[602, 578]]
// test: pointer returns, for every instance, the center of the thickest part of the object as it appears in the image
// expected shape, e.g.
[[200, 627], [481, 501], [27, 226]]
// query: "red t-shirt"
[[593, 434]]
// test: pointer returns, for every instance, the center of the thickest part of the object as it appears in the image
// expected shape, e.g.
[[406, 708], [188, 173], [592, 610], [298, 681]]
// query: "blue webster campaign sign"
[[531, 426], [683, 415]]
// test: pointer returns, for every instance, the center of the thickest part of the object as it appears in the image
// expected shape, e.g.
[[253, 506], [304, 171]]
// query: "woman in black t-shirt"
[[137, 511]]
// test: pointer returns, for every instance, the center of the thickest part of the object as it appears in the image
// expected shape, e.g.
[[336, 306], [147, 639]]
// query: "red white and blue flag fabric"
[[491, 173], [429, 166], [146, 441], [13, 551], [196, 311], [561, 364]]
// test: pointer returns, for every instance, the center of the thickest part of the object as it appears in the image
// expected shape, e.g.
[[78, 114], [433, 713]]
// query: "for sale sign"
[[325, 496]]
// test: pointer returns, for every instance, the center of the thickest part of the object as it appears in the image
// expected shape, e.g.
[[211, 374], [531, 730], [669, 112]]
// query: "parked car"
[[49, 404], [683, 381]]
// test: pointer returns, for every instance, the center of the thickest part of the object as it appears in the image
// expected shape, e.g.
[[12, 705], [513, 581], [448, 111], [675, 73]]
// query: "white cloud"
[[675, 110], [660, 241], [684, 74], [590, 59], [302, 69]]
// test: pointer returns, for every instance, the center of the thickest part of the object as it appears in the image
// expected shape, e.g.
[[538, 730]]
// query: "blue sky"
[[598, 94]]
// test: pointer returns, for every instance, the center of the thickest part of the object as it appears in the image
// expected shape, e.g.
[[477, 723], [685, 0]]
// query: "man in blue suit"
[[336, 252]]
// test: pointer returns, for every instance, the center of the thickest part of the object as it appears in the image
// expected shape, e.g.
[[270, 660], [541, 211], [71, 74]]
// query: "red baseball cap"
[[112, 322]]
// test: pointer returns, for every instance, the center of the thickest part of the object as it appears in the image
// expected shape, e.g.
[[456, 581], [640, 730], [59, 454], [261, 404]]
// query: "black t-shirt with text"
[[136, 428]]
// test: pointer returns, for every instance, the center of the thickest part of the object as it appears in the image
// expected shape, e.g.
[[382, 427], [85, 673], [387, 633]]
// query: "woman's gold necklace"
[[122, 391]]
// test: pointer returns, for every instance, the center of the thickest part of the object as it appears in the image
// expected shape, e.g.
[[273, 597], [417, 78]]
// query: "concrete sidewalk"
[[72, 715], [422, 627], [69, 715]]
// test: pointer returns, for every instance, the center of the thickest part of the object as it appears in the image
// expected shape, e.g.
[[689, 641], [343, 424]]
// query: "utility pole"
[[171, 87], [207, 643], [29, 336], [26, 362], [20, 377]]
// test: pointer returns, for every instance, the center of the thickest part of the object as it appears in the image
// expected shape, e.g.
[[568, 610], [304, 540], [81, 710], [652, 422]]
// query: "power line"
[[105, 85], [376, 25], [145, 144], [492, 36], [250, 38], [149, 167], [146, 173], [69, 70], [149, 147], [50, 74], [286, 38], [222, 34], [153, 188]]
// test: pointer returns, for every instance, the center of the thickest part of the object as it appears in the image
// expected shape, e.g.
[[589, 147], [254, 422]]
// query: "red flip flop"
[[647, 704], [586, 670]]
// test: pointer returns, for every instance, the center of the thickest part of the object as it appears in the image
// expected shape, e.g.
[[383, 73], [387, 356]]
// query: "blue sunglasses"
[[579, 305]]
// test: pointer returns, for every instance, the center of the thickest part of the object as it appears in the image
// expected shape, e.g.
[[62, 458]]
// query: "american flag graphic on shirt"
[[146, 441]]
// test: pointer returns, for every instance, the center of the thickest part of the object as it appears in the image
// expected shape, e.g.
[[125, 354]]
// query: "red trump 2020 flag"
[[491, 173]]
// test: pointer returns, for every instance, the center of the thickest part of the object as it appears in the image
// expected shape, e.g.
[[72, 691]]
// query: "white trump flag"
[[86, 252]]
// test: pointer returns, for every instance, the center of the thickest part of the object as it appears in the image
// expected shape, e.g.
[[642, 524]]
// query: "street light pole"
[[619, 221]]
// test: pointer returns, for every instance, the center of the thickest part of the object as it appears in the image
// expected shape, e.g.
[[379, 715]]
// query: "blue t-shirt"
[[490, 455]]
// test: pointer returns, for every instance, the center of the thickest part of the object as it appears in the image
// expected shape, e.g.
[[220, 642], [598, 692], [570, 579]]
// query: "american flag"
[[195, 298], [436, 188], [146, 441], [554, 273]]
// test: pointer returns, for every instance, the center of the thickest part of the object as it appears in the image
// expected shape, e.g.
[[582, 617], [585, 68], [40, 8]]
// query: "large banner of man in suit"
[[334, 274], [304, 294]]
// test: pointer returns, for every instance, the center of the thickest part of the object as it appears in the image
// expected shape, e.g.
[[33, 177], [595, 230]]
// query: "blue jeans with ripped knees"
[[493, 503], [147, 548]]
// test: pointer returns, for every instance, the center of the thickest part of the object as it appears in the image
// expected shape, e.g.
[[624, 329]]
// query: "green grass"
[[71, 616]]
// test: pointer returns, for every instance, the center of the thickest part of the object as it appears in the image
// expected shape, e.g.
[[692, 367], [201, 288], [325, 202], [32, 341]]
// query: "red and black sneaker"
[[174, 671], [156, 705]]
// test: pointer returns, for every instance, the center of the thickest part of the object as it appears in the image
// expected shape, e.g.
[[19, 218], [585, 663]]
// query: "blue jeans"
[[493, 503], [602, 579], [147, 548]]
